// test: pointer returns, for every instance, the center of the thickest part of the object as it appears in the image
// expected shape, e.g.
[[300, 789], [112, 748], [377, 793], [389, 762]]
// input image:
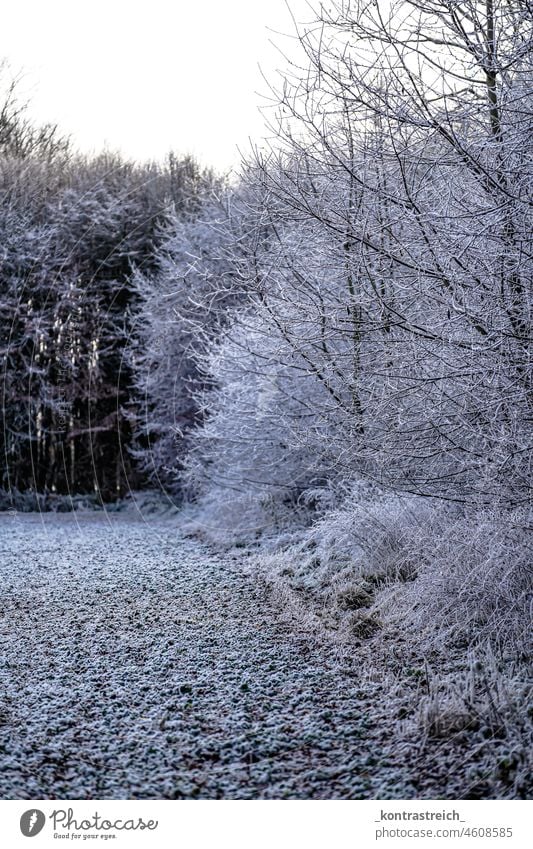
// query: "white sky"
[[147, 77]]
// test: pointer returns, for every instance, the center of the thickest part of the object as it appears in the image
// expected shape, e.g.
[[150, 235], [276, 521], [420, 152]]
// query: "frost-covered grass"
[[437, 596], [39, 502], [145, 502], [225, 519], [449, 575], [449, 593], [136, 663]]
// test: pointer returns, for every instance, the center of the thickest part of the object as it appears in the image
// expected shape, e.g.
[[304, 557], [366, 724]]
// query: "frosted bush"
[[474, 582], [446, 575]]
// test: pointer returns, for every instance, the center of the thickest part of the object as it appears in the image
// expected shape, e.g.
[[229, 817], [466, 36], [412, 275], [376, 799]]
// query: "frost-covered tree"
[[73, 230], [390, 295], [19, 136], [184, 304]]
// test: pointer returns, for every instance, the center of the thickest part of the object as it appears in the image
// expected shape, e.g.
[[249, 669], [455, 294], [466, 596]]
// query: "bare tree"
[[407, 145]]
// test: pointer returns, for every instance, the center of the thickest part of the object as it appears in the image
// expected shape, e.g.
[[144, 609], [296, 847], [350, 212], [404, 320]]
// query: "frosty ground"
[[136, 664]]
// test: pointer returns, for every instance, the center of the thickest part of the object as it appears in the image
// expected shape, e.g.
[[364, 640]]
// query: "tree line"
[[73, 228], [356, 307]]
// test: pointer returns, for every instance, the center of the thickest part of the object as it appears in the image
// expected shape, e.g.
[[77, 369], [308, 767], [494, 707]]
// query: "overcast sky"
[[147, 77]]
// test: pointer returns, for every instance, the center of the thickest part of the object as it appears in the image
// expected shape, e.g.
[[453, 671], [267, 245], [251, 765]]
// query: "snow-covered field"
[[136, 664], [133, 664]]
